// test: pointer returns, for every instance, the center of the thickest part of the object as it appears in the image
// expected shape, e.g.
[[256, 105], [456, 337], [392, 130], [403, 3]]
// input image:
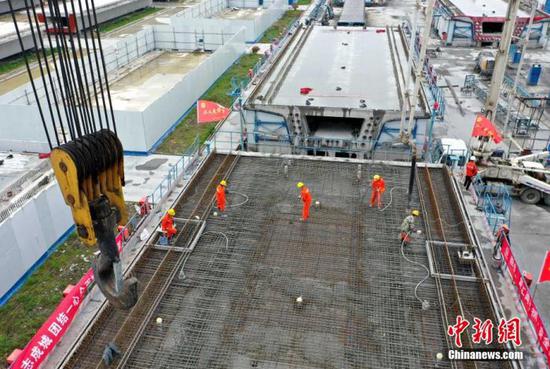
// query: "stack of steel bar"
[[236, 304]]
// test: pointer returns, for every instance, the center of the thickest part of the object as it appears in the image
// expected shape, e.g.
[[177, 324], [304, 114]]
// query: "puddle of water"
[[152, 164]]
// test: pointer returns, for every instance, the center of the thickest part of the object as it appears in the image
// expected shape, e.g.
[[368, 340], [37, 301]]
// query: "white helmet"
[[473, 158]]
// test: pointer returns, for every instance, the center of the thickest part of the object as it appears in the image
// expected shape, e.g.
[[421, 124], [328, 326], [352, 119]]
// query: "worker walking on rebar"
[[408, 227], [167, 225], [220, 195], [378, 188], [471, 172], [305, 195]]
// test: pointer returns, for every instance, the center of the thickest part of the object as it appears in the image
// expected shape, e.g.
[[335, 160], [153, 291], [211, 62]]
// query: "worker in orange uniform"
[[471, 172], [305, 195], [378, 188], [220, 195], [167, 224]]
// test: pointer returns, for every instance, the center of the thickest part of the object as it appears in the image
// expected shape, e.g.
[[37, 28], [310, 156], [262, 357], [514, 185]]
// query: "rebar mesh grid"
[[104, 329], [90, 350], [236, 306]]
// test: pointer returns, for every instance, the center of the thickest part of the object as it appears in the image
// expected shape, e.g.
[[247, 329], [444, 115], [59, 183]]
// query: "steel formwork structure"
[[227, 293]]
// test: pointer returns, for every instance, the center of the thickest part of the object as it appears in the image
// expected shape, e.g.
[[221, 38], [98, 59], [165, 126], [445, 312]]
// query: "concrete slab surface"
[[143, 86], [342, 67], [144, 173]]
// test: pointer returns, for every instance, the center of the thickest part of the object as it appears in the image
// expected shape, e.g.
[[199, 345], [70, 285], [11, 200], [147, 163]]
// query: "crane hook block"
[[90, 173], [87, 168]]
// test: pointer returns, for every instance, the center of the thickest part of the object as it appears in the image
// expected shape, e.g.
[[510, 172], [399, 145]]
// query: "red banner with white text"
[[51, 332], [526, 298], [55, 327], [209, 111]]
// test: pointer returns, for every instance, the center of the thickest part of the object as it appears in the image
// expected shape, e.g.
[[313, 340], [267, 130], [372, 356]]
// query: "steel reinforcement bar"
[[156, 288]]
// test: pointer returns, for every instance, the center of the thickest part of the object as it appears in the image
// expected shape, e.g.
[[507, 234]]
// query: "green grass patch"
[[279, 28], [29, 307], [303, 2], [187, 129], [129, 18], [17, 61], [27, 310]]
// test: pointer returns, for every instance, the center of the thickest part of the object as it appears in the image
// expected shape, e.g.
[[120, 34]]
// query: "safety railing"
[[22, 200], [430, 75], [225, 141], [239, 85], [495, 202], [183, 168]]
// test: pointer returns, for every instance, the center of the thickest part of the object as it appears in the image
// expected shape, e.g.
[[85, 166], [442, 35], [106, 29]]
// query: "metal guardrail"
[[182, 169], [429, 74], [17, 204], [225, 141], [494, 201]]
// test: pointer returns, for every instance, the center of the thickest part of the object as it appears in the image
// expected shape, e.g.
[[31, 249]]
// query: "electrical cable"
[[425, 303], [391, 197], [240, 203]]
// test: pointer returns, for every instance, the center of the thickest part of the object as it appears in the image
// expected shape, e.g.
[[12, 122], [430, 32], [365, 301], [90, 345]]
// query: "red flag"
[[545, 271], [484, 127], [208, 111]]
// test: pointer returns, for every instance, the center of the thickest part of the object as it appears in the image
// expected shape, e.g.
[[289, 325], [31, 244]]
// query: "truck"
[[450, 151], [485, 63], [527, 176]]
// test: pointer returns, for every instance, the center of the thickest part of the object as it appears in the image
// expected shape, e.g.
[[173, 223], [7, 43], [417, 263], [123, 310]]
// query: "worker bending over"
[[407, 227], [167, 225], [220, 195], [378, 188], [305, 195], [471, 172]]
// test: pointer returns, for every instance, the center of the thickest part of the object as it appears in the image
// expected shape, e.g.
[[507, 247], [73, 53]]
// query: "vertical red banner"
[[526, 298]]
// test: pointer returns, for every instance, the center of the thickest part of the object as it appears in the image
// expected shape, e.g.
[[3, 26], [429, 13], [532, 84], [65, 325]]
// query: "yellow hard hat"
[[171, 212], [376, 177], [223, 182], [300, 184], [415, 213]]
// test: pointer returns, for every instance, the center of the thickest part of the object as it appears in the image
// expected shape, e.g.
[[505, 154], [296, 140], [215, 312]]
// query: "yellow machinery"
[[90, 172]]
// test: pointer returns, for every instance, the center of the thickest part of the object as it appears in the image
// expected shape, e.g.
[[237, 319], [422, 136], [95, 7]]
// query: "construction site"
[[240, 184], [225, 291]]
